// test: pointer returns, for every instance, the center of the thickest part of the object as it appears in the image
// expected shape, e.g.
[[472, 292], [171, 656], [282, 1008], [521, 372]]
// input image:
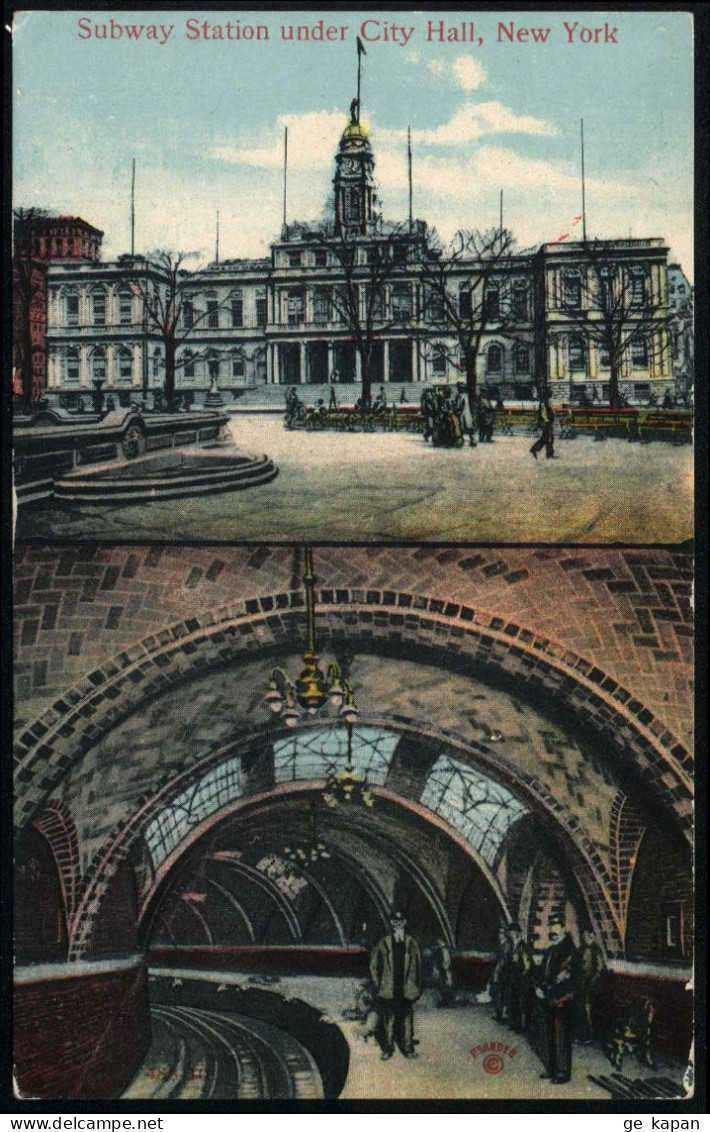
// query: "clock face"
[[350, 165]]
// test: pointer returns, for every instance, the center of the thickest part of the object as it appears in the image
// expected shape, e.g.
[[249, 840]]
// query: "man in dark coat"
[[396, 972], [519, 988], [428, 411], [486, 419], [498, 987], [591, 969], [546, 440], [555, 992]]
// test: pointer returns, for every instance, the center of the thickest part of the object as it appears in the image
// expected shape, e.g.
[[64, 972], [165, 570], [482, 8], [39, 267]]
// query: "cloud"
[[312, 141], [468, 72], [465, 71], [474, 120]]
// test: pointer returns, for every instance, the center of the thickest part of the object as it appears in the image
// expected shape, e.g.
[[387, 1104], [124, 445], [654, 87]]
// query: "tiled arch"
[[376, 621]]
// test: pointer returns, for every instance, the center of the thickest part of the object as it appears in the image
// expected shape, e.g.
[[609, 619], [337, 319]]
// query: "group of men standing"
[[559, 993], [565, 987]]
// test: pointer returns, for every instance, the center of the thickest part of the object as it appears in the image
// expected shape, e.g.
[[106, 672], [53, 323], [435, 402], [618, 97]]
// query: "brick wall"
[[80, 1036]]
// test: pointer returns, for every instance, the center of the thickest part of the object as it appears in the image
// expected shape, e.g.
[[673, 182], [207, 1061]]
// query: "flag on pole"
[[360, 49]]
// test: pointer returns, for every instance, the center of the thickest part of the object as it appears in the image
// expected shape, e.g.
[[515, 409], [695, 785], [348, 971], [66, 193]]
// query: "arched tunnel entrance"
[[504, 788]]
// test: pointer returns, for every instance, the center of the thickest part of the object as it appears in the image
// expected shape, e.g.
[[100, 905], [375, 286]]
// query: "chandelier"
[[311, 851], [347, 786], [314, 688]]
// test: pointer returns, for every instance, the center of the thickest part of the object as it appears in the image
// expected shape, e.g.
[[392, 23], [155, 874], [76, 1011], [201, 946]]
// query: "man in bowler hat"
[[396, 971]]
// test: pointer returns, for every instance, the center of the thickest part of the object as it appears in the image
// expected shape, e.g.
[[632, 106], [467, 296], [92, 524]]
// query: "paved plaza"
[[393, 487]]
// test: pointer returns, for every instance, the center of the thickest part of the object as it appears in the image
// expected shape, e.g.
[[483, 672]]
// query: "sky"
[[204, 119]]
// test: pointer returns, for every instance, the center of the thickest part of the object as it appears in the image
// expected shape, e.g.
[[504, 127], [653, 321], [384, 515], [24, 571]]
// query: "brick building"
[[38, 241]]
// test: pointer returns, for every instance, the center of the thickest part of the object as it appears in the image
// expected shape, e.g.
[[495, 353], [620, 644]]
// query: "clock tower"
[[354, 183]]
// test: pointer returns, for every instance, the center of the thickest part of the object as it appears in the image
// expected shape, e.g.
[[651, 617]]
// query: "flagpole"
[[216, 243], [584, 210], [359, 59], [285, 168], [133, 208], [409, 165]]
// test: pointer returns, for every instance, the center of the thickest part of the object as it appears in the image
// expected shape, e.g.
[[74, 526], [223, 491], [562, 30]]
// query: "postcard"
[[353, 406]]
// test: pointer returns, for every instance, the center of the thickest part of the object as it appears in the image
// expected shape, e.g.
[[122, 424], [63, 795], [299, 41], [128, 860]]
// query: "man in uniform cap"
[[555, 992], [396, 971]]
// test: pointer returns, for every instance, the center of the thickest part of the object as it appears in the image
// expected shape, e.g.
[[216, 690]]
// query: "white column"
[[269, 364], [358, 367], [415, 359], [386, 360], [304, 363], [84, 368], [330, 360]]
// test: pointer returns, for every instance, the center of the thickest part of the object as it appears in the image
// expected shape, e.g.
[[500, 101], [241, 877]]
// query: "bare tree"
[[361, 298], [168, 308], [618, 311], [29, 298], [468, 292]]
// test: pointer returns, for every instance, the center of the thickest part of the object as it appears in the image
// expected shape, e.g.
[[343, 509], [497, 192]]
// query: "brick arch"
[[385, 622], [591, 875], [57, 827], [627, 828]]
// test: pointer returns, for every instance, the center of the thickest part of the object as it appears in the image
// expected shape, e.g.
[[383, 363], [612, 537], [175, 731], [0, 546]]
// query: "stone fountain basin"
[[179, 473]]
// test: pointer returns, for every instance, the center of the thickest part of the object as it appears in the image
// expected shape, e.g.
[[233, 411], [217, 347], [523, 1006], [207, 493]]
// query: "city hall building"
[[252, 324]]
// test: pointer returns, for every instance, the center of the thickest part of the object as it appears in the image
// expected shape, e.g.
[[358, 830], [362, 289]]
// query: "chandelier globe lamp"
[[309, 693]]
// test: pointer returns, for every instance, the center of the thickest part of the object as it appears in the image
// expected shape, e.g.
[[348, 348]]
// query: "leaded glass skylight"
[[481, 810], [213, 790], [322, 751]]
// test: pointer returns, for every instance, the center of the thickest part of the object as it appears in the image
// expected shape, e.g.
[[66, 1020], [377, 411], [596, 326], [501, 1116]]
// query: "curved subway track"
[[199, 1054]]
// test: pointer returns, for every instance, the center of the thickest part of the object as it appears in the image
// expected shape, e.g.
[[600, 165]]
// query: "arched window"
[[98, 364], [71, 366], [494, 359], [71, 307], [577, 353], [189, 364], [238, 367], [98, 306], [156, 363], [522, 358], [438, 361], [125, 306], [352, 204], [125, 366]]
